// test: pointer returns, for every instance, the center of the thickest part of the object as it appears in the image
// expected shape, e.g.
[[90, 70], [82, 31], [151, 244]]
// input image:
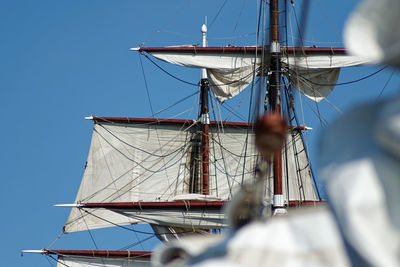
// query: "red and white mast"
[[274, 95], [204, 119]]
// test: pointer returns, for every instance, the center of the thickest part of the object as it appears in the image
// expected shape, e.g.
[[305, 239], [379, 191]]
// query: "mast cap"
[[204, 28]]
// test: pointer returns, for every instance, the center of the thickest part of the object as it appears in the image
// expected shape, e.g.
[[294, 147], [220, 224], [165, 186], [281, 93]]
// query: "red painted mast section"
[[205, 122], [244, 50], [101, 253], [175, 205], [205, 132], [274, 94]]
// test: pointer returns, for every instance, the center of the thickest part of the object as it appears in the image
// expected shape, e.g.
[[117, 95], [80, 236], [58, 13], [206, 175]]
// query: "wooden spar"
[[274, 98], [205, 132], [205, 122], [100, 253], [176, 205], [179, 122], [158, 205], [244, 50]]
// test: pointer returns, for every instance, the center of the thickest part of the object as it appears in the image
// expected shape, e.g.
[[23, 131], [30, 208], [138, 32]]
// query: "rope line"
[[176, 103], [133, 230], [90, 232], [384, 87], [216, 16], [168, 73], [137, 243], [147, 88], [344, 83]]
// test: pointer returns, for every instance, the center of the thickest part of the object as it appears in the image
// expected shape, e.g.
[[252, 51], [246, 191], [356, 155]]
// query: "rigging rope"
[[210, 38], [90, 232], [173, 76], [387, 82], [173, 18], [344, 83], [240, 14], [58, 237], [137, 243], [197, 84], [147, 88], [47, 258], [140, 240], [56, 260], [328, 19], [133, 230], [216, 16], [230, 109], [176, 103]]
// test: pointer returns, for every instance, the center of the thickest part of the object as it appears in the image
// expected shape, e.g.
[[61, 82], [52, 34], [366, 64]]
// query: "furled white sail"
[[83, 261], [228, 83], [190, 219], [313, 74]]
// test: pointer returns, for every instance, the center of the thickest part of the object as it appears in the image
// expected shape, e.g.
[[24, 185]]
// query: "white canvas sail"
[[297, 179], [148, 161], [85, 261], [230, 70]]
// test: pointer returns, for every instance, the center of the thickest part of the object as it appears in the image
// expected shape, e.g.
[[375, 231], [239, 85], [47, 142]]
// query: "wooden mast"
[[275, 101], [205, 122]]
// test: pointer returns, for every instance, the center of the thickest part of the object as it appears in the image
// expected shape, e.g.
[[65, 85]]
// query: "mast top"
[[204, 33], [204, 29]]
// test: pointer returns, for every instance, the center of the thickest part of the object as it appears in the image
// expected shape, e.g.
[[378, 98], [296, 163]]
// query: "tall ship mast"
[[177, 175]]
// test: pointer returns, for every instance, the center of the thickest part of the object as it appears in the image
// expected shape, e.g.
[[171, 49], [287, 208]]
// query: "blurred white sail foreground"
[[309, 238], [360, 167], [362, 177], [373, 32], [314, 72], [148, 160]]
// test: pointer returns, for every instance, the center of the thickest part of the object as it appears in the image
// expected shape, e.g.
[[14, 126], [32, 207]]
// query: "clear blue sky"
[[63, 60]]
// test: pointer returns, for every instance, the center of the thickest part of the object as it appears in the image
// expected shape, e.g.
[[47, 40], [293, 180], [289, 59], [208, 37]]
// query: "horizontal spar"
[[93, 253], [242, 50], [186, 205], [177, 122]]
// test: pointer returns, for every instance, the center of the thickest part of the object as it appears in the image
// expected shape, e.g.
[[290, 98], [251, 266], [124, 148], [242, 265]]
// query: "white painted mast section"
[[36, 251], [204, 32], [73, 205], [205, 118]]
